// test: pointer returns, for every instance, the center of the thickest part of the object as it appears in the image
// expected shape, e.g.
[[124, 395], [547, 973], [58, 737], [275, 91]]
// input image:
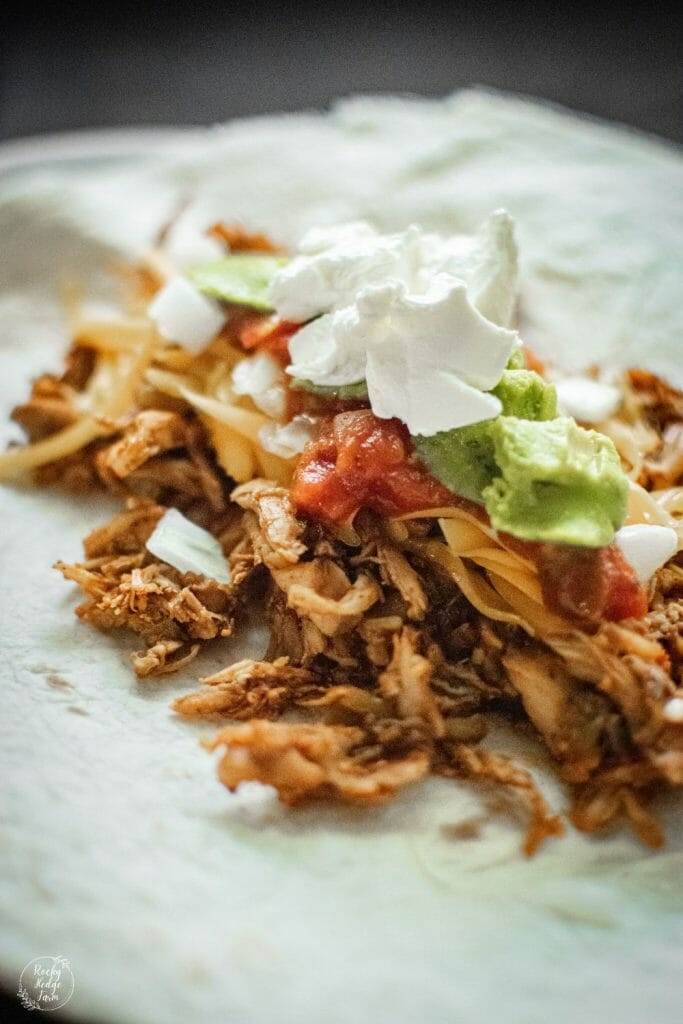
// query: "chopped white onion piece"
[[261, 378], [186, 245], [646, 547], [588, 401], [187, 547], [673, 710], [288, 440], [182, 314]]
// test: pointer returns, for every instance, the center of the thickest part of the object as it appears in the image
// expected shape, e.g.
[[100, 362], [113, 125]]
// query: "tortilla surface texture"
[[176, 901]]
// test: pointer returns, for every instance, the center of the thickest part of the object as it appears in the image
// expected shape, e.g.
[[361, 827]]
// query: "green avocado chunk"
[[342, 391], [556, 482], [463, 459], [516, 360], [242, 279], [523, 393]]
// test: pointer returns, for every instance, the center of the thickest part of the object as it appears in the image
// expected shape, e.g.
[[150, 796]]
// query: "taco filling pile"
[[352, 442]]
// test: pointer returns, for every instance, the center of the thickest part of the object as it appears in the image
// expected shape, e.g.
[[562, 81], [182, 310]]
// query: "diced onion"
[[290, 439], [182, 314], [646, 547], [187, 547]]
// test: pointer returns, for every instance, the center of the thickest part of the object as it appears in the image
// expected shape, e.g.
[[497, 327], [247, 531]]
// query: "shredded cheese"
[[234, 429], [110, 335], [498, 582], [123, 376]]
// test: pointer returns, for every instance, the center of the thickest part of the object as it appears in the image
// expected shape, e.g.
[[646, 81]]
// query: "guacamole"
[[240, 278], [557, 482], [540, 477], [464, 459]]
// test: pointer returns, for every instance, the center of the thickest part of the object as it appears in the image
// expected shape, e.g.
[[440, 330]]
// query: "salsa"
[[267, 334], [589, 584], [359, 460]]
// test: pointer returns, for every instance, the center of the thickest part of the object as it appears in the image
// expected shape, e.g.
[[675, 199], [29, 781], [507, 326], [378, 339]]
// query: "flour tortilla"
[[176, 901]]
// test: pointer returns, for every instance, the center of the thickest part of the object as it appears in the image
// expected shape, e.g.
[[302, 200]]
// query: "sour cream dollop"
[[424, 319]]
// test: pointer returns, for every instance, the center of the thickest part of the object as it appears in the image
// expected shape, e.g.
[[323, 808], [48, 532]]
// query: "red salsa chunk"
[[267, 334], [361, 460], [589, 584]]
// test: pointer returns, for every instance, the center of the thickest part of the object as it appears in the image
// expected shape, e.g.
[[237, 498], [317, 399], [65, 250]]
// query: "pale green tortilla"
[[178, 902]]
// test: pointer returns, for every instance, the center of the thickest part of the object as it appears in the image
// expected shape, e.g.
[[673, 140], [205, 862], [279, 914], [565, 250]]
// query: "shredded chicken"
[[600, 806], [666, 470], [127, 533], [146, 435], [53, 403], [406, 683], [164, 657], [629, 669], [322, 592], [379, 670], [276, 533], [126, 588], [313, 761], [377, 634], [663, 403], [394, 704], [155, 453], [390, 702], [577, 724], [249, 689], [476, 763], [153, 600], [400, 574], [51, 407]]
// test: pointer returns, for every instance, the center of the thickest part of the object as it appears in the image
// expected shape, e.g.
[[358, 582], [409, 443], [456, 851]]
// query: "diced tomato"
[[626, 597], [319, 492], [367, 446], [361, 460], [317, 489], [588, 584], [268, 334]]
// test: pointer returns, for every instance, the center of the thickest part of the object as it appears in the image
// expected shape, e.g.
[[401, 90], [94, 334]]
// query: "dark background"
[[103, 64], [107, 64]]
